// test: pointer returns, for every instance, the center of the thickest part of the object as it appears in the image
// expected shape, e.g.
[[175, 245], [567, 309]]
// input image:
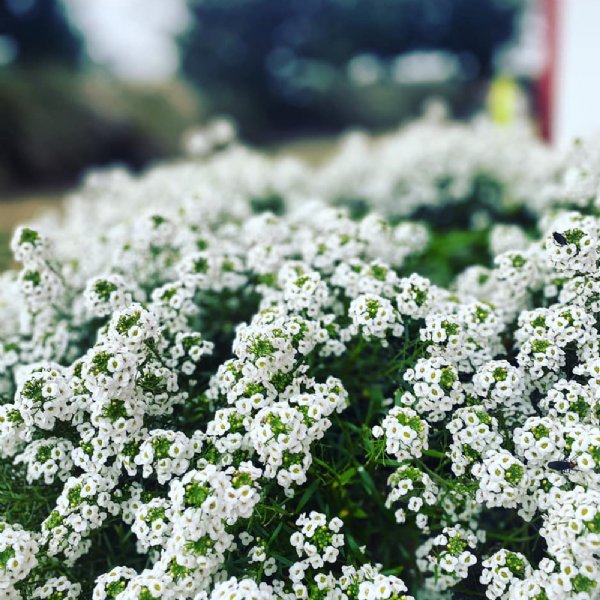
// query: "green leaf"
[[275, 533], [307, 495], [368, 483], [347, 475]]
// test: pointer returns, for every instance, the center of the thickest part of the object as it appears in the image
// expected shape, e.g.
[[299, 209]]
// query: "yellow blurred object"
[[503, 100]]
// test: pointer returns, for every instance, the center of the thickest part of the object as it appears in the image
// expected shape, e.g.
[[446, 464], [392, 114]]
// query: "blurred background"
[[87, 83]]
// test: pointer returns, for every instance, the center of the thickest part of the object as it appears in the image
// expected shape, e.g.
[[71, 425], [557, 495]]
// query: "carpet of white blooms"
[[218, 381]]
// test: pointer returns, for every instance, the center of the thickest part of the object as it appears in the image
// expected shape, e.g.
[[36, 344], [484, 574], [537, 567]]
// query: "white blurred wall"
[[577, 82]]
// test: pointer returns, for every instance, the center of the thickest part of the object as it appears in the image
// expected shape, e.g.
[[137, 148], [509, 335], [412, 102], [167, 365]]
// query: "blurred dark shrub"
[[54, 124], [56, 119], [280, 66]]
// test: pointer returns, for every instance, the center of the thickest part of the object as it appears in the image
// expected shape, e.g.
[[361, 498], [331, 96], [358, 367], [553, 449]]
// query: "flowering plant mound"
[[238, 377]]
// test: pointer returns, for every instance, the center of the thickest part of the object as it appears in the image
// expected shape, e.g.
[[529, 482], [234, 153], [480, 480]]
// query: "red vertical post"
[[547, 82]]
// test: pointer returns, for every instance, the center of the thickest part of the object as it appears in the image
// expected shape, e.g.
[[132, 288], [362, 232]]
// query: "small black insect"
[[561, 465], [559, 238]]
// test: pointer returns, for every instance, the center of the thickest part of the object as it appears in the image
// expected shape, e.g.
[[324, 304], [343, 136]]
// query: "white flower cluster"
[[202, 355], [320, 542], [413, 488], [50, 458], [18, 550], [436, 388], [503, 480], [499, 385], [571, 531], [317, 539], [502, 570], [83, 506], [406, 434], [58, 588], [474, 436], [373, 316], [447, 557]]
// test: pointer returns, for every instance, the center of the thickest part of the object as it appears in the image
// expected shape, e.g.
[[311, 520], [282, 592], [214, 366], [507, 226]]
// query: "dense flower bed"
[[240, 377]]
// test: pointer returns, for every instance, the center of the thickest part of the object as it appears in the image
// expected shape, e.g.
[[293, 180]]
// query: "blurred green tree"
[[269, 62]]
